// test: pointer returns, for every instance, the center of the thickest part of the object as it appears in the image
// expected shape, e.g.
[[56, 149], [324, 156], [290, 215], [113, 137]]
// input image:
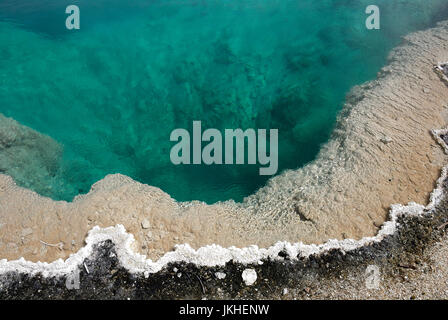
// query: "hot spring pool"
[[112, 92]]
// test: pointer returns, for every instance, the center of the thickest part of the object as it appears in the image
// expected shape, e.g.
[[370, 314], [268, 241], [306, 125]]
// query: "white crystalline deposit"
[[220, 275], [249, 276]]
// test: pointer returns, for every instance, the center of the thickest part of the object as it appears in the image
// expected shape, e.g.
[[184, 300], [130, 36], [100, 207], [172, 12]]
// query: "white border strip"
[[212, 255]]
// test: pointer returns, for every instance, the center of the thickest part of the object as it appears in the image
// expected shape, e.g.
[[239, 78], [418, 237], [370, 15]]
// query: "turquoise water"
[[112, 92]]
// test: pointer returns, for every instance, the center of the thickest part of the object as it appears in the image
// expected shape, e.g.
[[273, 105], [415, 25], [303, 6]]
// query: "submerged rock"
[[30, 157]]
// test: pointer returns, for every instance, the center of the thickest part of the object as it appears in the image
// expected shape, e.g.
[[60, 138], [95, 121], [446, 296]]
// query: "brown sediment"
[[381, 152]]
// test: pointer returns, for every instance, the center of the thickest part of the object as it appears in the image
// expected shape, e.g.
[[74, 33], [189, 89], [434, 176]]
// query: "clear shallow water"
[[112, 92]]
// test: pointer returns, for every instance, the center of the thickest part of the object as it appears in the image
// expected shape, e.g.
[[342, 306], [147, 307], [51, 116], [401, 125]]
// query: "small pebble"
[[145, 224], [249, 276]]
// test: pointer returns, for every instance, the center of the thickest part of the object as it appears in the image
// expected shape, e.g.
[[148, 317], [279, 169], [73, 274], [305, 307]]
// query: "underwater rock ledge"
[[27, 155], [381, 152]]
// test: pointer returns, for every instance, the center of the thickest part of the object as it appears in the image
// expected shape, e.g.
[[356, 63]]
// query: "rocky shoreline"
[[103, 276], [108, 269]]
